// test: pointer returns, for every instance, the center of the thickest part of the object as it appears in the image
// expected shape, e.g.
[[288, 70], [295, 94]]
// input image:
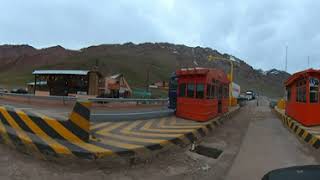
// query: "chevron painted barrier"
[[46, 137], [310, 135]]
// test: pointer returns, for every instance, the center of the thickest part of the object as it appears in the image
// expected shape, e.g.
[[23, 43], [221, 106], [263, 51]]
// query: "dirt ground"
[[181, 164]]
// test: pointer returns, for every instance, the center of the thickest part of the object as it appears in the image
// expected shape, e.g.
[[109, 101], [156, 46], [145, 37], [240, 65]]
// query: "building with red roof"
[[202, 93], [303, 103]]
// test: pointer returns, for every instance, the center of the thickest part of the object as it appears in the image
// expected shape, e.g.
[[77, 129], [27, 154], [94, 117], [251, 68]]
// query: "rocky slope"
[[18, 61]]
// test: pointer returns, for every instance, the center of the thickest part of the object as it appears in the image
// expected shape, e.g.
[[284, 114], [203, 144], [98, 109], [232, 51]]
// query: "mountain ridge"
[[18, 61]]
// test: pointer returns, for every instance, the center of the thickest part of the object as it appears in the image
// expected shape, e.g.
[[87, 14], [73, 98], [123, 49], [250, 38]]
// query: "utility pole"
[[286, 66]]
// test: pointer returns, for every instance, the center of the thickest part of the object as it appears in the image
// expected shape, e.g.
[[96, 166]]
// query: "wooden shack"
[[67, 82]]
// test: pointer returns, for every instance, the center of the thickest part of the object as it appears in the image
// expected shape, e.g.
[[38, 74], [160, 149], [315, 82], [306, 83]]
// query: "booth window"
[[209, 95], [182, 90], [288, 94], [190, 90], [314, 90], [213, 92], [225, 91], [301, 91], [214, 89], [200, 91]]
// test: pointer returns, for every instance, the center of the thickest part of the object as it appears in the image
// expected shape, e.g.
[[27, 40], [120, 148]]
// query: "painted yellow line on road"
[[133, 139], [147, 127], [120, 144], [128, 130], [163, 122], [98, 125], [173, 121], [110, 128]]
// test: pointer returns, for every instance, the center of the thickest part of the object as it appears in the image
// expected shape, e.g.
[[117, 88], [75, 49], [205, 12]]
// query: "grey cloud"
[[256, 31]]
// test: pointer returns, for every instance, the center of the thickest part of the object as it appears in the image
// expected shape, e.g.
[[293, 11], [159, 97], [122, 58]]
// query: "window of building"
[[288, 94], [213, 92], [190, 90], [209, 94], [301, 91], [225, 91], [314, 90], [182, 90], [200, 91]]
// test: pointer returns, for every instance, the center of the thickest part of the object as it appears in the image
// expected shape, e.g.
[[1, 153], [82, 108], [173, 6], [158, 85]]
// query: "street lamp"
[[231, 60]]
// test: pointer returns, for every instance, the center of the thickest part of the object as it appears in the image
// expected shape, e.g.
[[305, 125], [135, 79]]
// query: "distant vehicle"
[[172, 93], [3, 90], [19, 91], [250, 95]]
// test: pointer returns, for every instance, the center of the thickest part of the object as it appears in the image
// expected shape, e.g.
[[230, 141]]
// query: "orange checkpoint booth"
[[203, 93], [302, 91]]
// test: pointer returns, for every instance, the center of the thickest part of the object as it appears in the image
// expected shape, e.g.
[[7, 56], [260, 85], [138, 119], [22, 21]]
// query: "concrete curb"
[[125, 116], [303, 133]]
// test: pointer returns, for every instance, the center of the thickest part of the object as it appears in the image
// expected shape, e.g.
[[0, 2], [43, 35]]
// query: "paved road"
[[100, 114], [267, 145]]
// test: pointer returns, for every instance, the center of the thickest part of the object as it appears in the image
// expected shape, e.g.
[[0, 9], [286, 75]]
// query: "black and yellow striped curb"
[[44, 137], [310, 135]]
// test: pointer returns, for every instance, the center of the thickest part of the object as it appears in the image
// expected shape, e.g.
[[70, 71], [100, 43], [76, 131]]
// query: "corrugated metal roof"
[[68, 72], [38, 83], [116, 76]]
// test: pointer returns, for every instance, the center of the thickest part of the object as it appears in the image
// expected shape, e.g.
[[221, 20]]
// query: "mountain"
[[133, 60]]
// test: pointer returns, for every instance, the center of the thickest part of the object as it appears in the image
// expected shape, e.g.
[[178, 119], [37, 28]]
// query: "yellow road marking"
[[110, 128], [80, 121], [147, 127], [204, 128], [59, 128], [98, 125], [120, 144], [127, 130], [136, 139], [174, 122], [162, 125], [39, 132]]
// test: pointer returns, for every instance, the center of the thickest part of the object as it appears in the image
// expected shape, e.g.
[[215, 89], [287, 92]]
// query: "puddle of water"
[[208, 151]]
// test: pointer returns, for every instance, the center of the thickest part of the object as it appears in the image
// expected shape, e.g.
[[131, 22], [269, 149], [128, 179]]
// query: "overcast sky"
[[256, 31]]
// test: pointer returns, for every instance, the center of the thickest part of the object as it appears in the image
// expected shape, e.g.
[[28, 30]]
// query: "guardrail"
[[65, 99]]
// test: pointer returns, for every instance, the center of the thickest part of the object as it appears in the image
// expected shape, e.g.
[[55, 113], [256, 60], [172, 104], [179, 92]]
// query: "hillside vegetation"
[[133, 60]]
